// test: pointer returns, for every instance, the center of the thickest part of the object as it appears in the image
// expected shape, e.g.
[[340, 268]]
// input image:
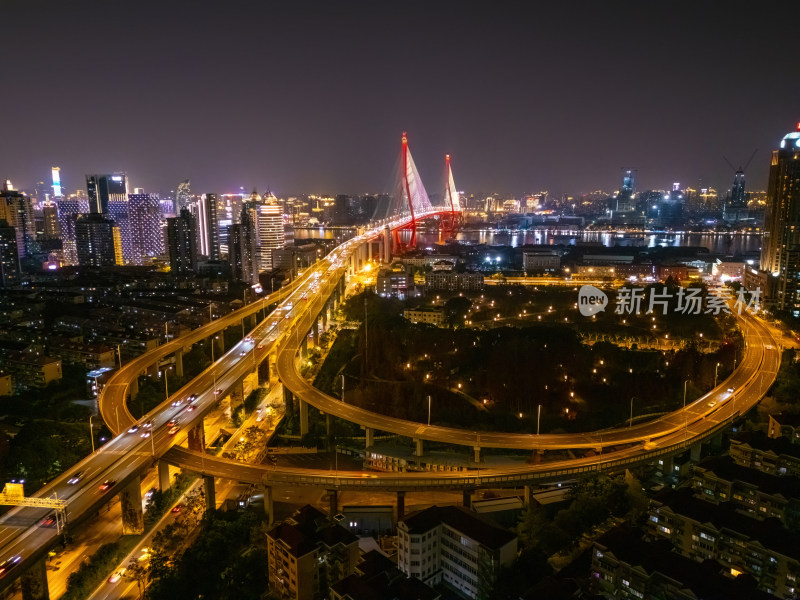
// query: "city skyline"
[[304, 100]]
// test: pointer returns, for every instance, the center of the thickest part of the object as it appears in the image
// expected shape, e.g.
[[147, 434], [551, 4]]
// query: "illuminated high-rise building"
[[182, 243], [96, 241], [17, 210], [103, 189], [242, 249], [624, 201], [56, 173], [270, 233], [205, 211], [780, 249], [183, 196], [51, 229], [9, 257], [144, 214], [69, 207]]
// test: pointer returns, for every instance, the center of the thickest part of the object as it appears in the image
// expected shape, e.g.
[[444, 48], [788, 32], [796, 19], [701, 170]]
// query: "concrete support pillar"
[[210, 492], [476, 454], [304, 347], [315, 332], [369, 434], [269, 508], [288, 401], [696, 451], [333, 503], [715, 443], [667, 465], [179, 363], [527, 495], [134, 388], [417, 447], [131, 504], [325, 315], [34, 582], [164, 480], [466, 498], [263, 372], [237, 395], [536, 456], [303, 416], [197, 437], [387, 245], [401, 505], [369, 251]]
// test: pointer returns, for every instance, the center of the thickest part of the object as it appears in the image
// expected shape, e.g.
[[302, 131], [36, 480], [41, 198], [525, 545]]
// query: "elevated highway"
[[281, 334]]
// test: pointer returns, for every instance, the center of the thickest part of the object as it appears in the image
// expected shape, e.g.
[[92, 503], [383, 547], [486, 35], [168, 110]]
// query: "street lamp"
[[429, 410], [538, 418], [91, 432], [630, 423], [716, 370]]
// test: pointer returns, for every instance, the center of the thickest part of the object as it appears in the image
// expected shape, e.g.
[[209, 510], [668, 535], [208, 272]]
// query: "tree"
[[455, 309]]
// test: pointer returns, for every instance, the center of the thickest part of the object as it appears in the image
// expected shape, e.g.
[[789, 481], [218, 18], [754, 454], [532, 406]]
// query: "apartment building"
[[308, 553], [451, 545], [700, 530], [757, 494]]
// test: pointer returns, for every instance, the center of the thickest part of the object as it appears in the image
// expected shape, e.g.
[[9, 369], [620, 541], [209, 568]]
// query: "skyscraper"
[[144, 213], [56, 173], [183, 196], [96, 240], [17, 210], [738, 197], [623, 201], [270, 233], [242, 250], [780, 250], [205, 211], [51, 229], [69, 207], [182, 242], [103, 189], [9, 258]]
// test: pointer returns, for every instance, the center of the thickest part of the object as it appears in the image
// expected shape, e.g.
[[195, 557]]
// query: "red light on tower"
[[798, 126], [405, 138], [447, 158]]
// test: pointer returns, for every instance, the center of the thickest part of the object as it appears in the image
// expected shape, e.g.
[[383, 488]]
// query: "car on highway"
[[133, 429], [148, 425], [48, 522], [8, 564], [713, 403], [243, 353], [191, 407], [177, 508], [76, 477], [731, 390], [172, 422], [217, 392], [174, 429], [117, 575], [145, 434], [107, 485], [177, 402], [191, 398]]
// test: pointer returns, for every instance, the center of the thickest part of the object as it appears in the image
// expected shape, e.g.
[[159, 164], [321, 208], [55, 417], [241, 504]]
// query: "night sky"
[[313, 97]]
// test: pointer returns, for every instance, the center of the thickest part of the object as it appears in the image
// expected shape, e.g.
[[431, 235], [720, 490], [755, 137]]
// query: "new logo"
[[591, 300]]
